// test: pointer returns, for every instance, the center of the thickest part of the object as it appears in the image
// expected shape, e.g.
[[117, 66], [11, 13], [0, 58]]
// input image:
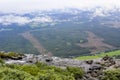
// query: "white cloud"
[[42, 19], [100, 12], [31, 5], [10, 19]]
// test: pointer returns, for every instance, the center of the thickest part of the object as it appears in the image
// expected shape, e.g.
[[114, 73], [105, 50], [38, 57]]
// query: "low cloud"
[[10, 19], [42, 19]]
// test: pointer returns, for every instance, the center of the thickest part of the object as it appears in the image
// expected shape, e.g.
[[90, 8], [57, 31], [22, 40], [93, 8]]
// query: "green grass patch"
[[111, 54]]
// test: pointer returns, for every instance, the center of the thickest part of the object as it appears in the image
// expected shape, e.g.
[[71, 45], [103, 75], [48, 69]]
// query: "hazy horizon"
[[20, 6]]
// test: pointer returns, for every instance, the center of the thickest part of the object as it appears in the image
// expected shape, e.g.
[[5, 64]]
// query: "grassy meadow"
[[111, 54]]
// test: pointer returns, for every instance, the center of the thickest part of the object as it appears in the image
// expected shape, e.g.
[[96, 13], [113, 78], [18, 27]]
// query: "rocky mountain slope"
[[94, 69]]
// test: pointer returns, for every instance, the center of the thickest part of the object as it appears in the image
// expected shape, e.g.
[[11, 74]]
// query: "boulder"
[[105, 58], [16, 58], [48, 59], [89, 62]]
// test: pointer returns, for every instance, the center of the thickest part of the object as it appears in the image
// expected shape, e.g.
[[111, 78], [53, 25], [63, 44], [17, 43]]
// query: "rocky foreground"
[[93, 68]]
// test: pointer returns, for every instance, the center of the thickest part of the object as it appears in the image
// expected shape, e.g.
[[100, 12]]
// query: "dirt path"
[[95, 43], [27, 35]]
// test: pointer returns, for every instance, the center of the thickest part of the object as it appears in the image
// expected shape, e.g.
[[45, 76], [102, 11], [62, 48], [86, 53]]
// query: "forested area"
[[63, 39], [13, 41]]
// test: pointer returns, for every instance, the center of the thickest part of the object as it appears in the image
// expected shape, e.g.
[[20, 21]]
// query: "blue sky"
[[31, 5]]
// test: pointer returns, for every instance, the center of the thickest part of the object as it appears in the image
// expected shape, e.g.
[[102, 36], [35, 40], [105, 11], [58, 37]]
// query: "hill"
[[64, 33]]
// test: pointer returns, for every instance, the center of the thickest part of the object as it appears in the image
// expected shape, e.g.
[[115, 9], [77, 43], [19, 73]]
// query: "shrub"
[[41, 65], [38, 71], [51, 75], [13, 66], [13, 54], [3, 55], [111, 75], [2, 61], [10, 55], [76, 71], [10, 74], [31, 69]]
